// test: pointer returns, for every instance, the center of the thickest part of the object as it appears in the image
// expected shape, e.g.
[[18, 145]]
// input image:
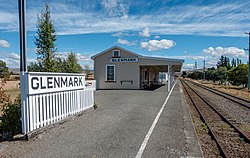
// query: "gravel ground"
[[208, 146], [116, 129], [230, 138], [233, 110]]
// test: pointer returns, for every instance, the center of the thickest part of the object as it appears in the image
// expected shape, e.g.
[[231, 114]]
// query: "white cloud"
[[157, 37], [122, 34], [206, 20], [62, 55], [226, 51], [80, 57], [83, 57], [115, 8], [118, 34], [14, 56], [4, 43], [145, 33], [153, 45], [121, 41], [13, 60], [126, 42], [113, 16], [188, 66], [211, 63]]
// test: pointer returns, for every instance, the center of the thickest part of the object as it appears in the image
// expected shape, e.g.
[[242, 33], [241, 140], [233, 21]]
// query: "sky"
[[189, 30]]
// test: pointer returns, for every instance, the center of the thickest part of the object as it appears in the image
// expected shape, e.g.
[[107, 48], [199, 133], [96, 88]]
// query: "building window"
[[116, 54], [110, 72]]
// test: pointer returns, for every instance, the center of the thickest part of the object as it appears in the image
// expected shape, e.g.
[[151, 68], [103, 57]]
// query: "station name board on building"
[[39, 83], [123, 60]]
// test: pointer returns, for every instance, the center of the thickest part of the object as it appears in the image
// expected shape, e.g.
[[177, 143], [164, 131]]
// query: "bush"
[[4, 98], [239, 75], [196, 75], [11, 123]]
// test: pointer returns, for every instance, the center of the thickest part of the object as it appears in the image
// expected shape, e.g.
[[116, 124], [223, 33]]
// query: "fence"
[[51, 97]]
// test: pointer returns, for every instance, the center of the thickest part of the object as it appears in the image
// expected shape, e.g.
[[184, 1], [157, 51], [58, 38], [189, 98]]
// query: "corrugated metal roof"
[[139, 56]]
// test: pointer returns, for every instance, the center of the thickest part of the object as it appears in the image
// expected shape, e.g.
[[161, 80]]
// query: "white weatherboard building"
[[118, 68]]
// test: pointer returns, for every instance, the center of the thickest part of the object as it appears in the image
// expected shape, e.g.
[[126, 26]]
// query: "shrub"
[[4, 98], [11, 122]]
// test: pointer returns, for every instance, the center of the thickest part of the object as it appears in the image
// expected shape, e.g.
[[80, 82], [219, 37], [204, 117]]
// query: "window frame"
[[106, 73], [119, 53]]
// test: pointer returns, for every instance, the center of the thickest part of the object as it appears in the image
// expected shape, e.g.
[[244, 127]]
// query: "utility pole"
[[248, 60], [195, 65], [204, 69], [23, 65], [22, 29]]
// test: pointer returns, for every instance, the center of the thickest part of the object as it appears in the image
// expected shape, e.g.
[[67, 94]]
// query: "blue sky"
[[189, 30]]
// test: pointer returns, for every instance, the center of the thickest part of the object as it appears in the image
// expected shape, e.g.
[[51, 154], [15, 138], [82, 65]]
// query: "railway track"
[[238, 100], [230, 140]]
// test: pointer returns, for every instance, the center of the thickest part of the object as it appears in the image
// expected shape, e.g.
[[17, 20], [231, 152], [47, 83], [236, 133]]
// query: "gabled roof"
[[139, 56], [114, 47]]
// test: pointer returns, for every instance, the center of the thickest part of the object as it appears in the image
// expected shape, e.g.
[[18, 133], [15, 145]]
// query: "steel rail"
[[225, 95], [247, 139], [220, 148]]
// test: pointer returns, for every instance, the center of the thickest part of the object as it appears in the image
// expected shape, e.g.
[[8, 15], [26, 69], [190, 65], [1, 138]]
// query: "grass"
[[233, 90], [11, 88], [95, 106], [204, 126]]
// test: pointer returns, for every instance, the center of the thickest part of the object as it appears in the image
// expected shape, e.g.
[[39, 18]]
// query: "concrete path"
[[118, 128]]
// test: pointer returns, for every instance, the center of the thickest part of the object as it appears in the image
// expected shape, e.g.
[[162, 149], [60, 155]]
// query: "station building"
[[118, 68]]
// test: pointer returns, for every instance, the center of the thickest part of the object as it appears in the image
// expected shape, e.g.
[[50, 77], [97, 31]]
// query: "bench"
[[131, 82]]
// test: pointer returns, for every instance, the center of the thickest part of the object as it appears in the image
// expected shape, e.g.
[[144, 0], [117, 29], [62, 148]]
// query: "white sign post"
[[54, 82], [51, 97]]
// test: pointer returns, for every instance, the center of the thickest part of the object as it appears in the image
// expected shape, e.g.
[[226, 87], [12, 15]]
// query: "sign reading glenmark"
[[116, 60], [44, 83]]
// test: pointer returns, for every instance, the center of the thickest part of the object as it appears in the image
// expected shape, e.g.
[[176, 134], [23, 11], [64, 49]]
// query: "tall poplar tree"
[[45, 41]]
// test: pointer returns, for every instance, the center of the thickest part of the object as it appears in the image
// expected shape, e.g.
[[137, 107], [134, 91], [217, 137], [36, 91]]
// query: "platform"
[[118, 129]]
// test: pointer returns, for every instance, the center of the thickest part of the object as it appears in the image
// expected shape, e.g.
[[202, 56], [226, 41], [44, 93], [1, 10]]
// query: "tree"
[[71, 64], [238, 75], [210, 74], [221, 74], [224, 62], [228, 65], [60, 65], [86, 69], [231, 76], [45, 41], [4, 70], [239, 61], [196, 75], [220, 62], [184, 74], [35, 67], [233, 63]]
